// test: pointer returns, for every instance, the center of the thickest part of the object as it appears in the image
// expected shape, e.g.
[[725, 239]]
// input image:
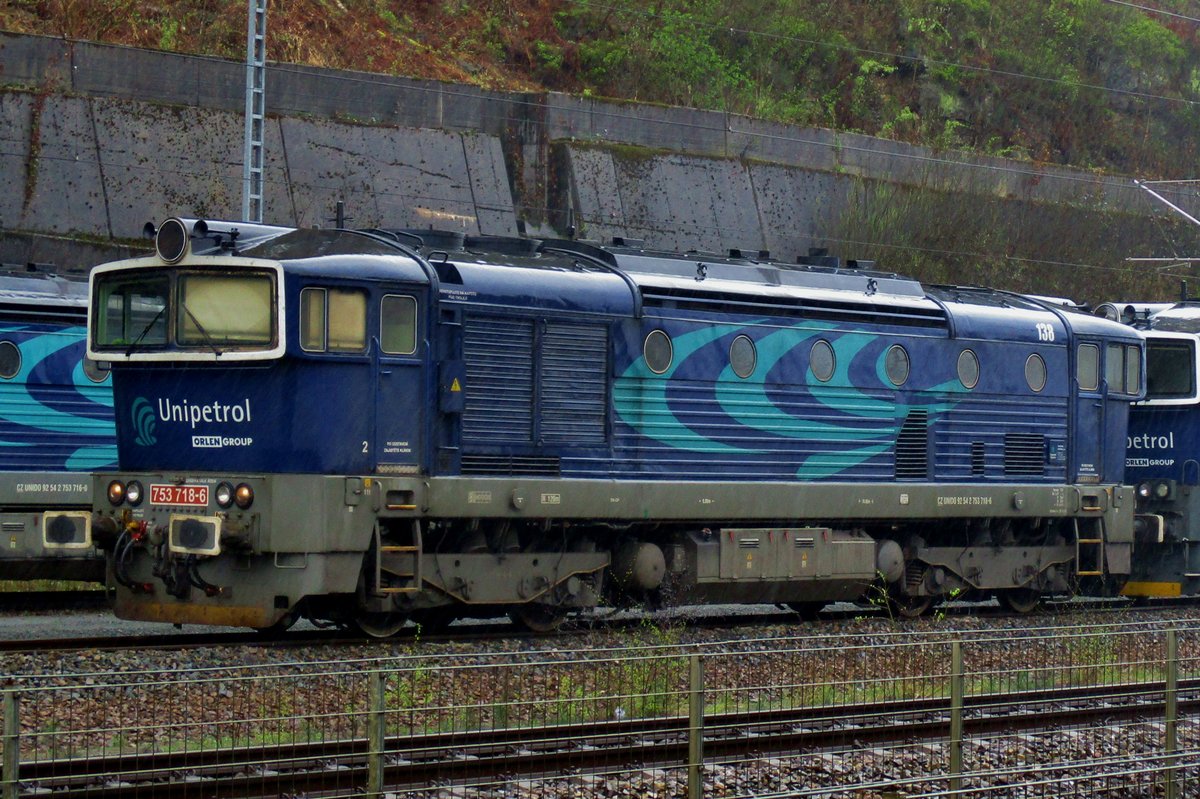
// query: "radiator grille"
[[574, 391], [912, 447], [498, 403], [1024, 453]]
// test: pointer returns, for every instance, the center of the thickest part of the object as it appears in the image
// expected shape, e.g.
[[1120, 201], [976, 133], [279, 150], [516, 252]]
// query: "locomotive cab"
[[1161, 447]]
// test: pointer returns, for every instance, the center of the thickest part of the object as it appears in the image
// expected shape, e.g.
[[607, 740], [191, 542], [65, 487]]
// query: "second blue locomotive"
[[371, 426], [56, 426], [1163, 449]]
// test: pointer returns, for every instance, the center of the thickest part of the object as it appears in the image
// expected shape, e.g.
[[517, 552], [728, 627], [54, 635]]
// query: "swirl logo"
[[143, 422]]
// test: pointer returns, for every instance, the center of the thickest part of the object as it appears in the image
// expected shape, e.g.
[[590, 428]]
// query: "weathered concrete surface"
[[101, 139], [63, 254], [16, 112], [102, 168]]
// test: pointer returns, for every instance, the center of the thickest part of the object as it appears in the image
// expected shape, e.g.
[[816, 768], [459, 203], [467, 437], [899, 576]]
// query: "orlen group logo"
[[143, 422]]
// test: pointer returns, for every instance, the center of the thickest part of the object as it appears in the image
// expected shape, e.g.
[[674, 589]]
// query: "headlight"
[[224, 494], [1143, 490], [243, 495], [133, 492], [1162, 490], [116, 492]]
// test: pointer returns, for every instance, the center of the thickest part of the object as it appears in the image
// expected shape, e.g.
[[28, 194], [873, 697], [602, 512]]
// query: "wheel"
[[907, 606], [1019, 600], [432, 621], [537, 617], [379, 625]]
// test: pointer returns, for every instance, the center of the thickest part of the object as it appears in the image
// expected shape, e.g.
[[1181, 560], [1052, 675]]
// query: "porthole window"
[[822, 361], [1035, 372], [742, 356], [968, 369], [10, 360], [93, 371], [895, 364], [658, 351]]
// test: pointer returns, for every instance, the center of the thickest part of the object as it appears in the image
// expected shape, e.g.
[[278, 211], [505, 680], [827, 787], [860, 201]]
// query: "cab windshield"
[[181, 309], [1170, 369]]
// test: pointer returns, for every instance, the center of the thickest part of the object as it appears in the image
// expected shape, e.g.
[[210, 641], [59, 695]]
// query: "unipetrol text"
[[211, 412]]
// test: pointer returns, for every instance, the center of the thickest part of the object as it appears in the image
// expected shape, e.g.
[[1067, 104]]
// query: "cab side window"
[[333, 320], [1087, 367], [1123, 368], [398, 325]]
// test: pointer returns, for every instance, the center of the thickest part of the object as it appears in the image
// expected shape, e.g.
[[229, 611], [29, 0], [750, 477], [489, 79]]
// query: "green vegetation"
[[1089, 83]]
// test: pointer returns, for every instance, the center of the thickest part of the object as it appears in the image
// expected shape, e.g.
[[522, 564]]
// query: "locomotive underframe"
[[1168, 563], [325, 546]]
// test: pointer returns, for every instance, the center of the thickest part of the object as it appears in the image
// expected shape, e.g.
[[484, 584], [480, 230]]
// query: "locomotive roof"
[[622, 277], [1182, 317], [1168, 317], [41, 291]]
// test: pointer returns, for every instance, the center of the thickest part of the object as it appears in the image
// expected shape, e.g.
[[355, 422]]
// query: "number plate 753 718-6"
[[191, 495]]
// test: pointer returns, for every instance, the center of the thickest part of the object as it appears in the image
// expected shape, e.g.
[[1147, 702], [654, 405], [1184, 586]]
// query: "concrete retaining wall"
[[101, 139]]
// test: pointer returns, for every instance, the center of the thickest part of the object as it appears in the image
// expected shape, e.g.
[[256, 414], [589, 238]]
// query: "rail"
[[1110, 709]]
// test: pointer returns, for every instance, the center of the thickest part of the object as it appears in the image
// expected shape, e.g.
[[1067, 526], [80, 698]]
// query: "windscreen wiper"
[[145, 330], [207, 338]]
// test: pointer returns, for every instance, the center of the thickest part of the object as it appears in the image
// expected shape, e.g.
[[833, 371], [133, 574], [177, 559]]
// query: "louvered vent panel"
[[912, 447], [1024, 453], [574, 392], [506, 466], [978, 463], [498, 400]]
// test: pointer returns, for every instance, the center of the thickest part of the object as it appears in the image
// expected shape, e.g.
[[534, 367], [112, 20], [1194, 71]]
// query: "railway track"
[[548, 752], [485, 630]]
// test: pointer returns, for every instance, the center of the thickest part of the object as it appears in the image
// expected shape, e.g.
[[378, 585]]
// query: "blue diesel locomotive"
[[56, 425], [366, 427]]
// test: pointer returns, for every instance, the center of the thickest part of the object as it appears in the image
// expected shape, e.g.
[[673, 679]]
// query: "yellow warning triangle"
[[455, 386]]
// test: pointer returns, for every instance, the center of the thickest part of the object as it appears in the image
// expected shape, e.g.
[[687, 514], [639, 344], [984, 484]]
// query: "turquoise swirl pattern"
[[825, 428], [52, 415]]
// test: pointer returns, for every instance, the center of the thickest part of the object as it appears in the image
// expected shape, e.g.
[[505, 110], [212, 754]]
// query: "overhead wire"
[[1162, 11]]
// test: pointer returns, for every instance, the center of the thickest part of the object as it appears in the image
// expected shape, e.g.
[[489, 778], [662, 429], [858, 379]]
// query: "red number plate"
[[178, 495]]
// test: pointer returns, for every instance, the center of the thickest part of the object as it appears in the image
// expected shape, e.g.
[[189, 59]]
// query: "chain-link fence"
[[1037, 712]]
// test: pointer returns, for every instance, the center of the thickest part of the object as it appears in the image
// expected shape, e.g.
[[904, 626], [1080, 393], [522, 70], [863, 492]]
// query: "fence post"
[[696, 728], [10, 750], [1170, 745], [956, 716], [376, 730]]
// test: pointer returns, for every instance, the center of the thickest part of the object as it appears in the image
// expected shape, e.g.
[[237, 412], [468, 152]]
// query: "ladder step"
[[399, 549], [404, 590]]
